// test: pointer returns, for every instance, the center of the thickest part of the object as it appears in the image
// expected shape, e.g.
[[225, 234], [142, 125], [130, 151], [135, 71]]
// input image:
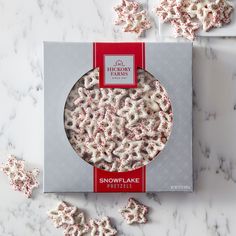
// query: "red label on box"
[[118, 63], [131, 181]]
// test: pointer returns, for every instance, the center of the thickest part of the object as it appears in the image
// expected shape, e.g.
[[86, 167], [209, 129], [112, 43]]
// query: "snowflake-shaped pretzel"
[[76, 230], [153, 147], [124, 9], [13, 168], [185, 27], [137, 23], [211, 14], [187, 16], [113, 126], [63, 215], [129, 152], [134, 19], [133, 111], [134, 212], [20, 179], [100, 150], [70, 218], [31, 182], [102, 227], [80, 227], [173, 11]]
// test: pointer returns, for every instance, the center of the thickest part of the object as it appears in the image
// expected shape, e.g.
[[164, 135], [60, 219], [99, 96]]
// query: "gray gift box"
[[64, 64]]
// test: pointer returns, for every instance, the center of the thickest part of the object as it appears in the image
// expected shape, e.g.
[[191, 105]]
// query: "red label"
[[119, 62], [131, 181]]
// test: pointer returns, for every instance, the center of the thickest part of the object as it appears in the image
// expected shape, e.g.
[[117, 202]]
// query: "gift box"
[[117, 117]]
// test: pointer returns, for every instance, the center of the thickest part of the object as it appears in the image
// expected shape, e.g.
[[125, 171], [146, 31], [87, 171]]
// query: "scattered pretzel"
[[76, 230], [70, 219], [125, 9], [134, 20], [212, 14], [20, 179], [134, 212], [63, 215], [102, 227], [137, 23], [118, 129], [80, 227], [187, 16]]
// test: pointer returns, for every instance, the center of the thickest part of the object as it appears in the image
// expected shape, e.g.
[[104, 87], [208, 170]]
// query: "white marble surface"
[[209, 211]]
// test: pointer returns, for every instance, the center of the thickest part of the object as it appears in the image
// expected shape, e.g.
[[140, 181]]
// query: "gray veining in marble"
[[209, 211]]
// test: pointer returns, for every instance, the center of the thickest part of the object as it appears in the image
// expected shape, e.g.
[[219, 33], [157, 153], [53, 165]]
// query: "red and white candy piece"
[[134, 20], [125, 9], [134, 212], [20, 179], [102, 227], [63, 215], [79, 228], [70, 218], [137, 23], [188, 16]]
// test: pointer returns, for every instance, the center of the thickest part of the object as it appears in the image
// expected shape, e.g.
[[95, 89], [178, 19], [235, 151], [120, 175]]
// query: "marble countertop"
[[209, 211]]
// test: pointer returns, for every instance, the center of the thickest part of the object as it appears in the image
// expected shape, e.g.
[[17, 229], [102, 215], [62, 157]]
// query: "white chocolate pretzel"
[[20, 179], [79, 228], [70, 218], [63, 215], [110, 128], [76, 230], [187, 16], [134, 212], [125, 9], [102, 227], [137, 23], [134, 19], [211, 14]]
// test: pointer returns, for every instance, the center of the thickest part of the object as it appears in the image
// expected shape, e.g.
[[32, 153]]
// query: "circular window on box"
[[118, 129]]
